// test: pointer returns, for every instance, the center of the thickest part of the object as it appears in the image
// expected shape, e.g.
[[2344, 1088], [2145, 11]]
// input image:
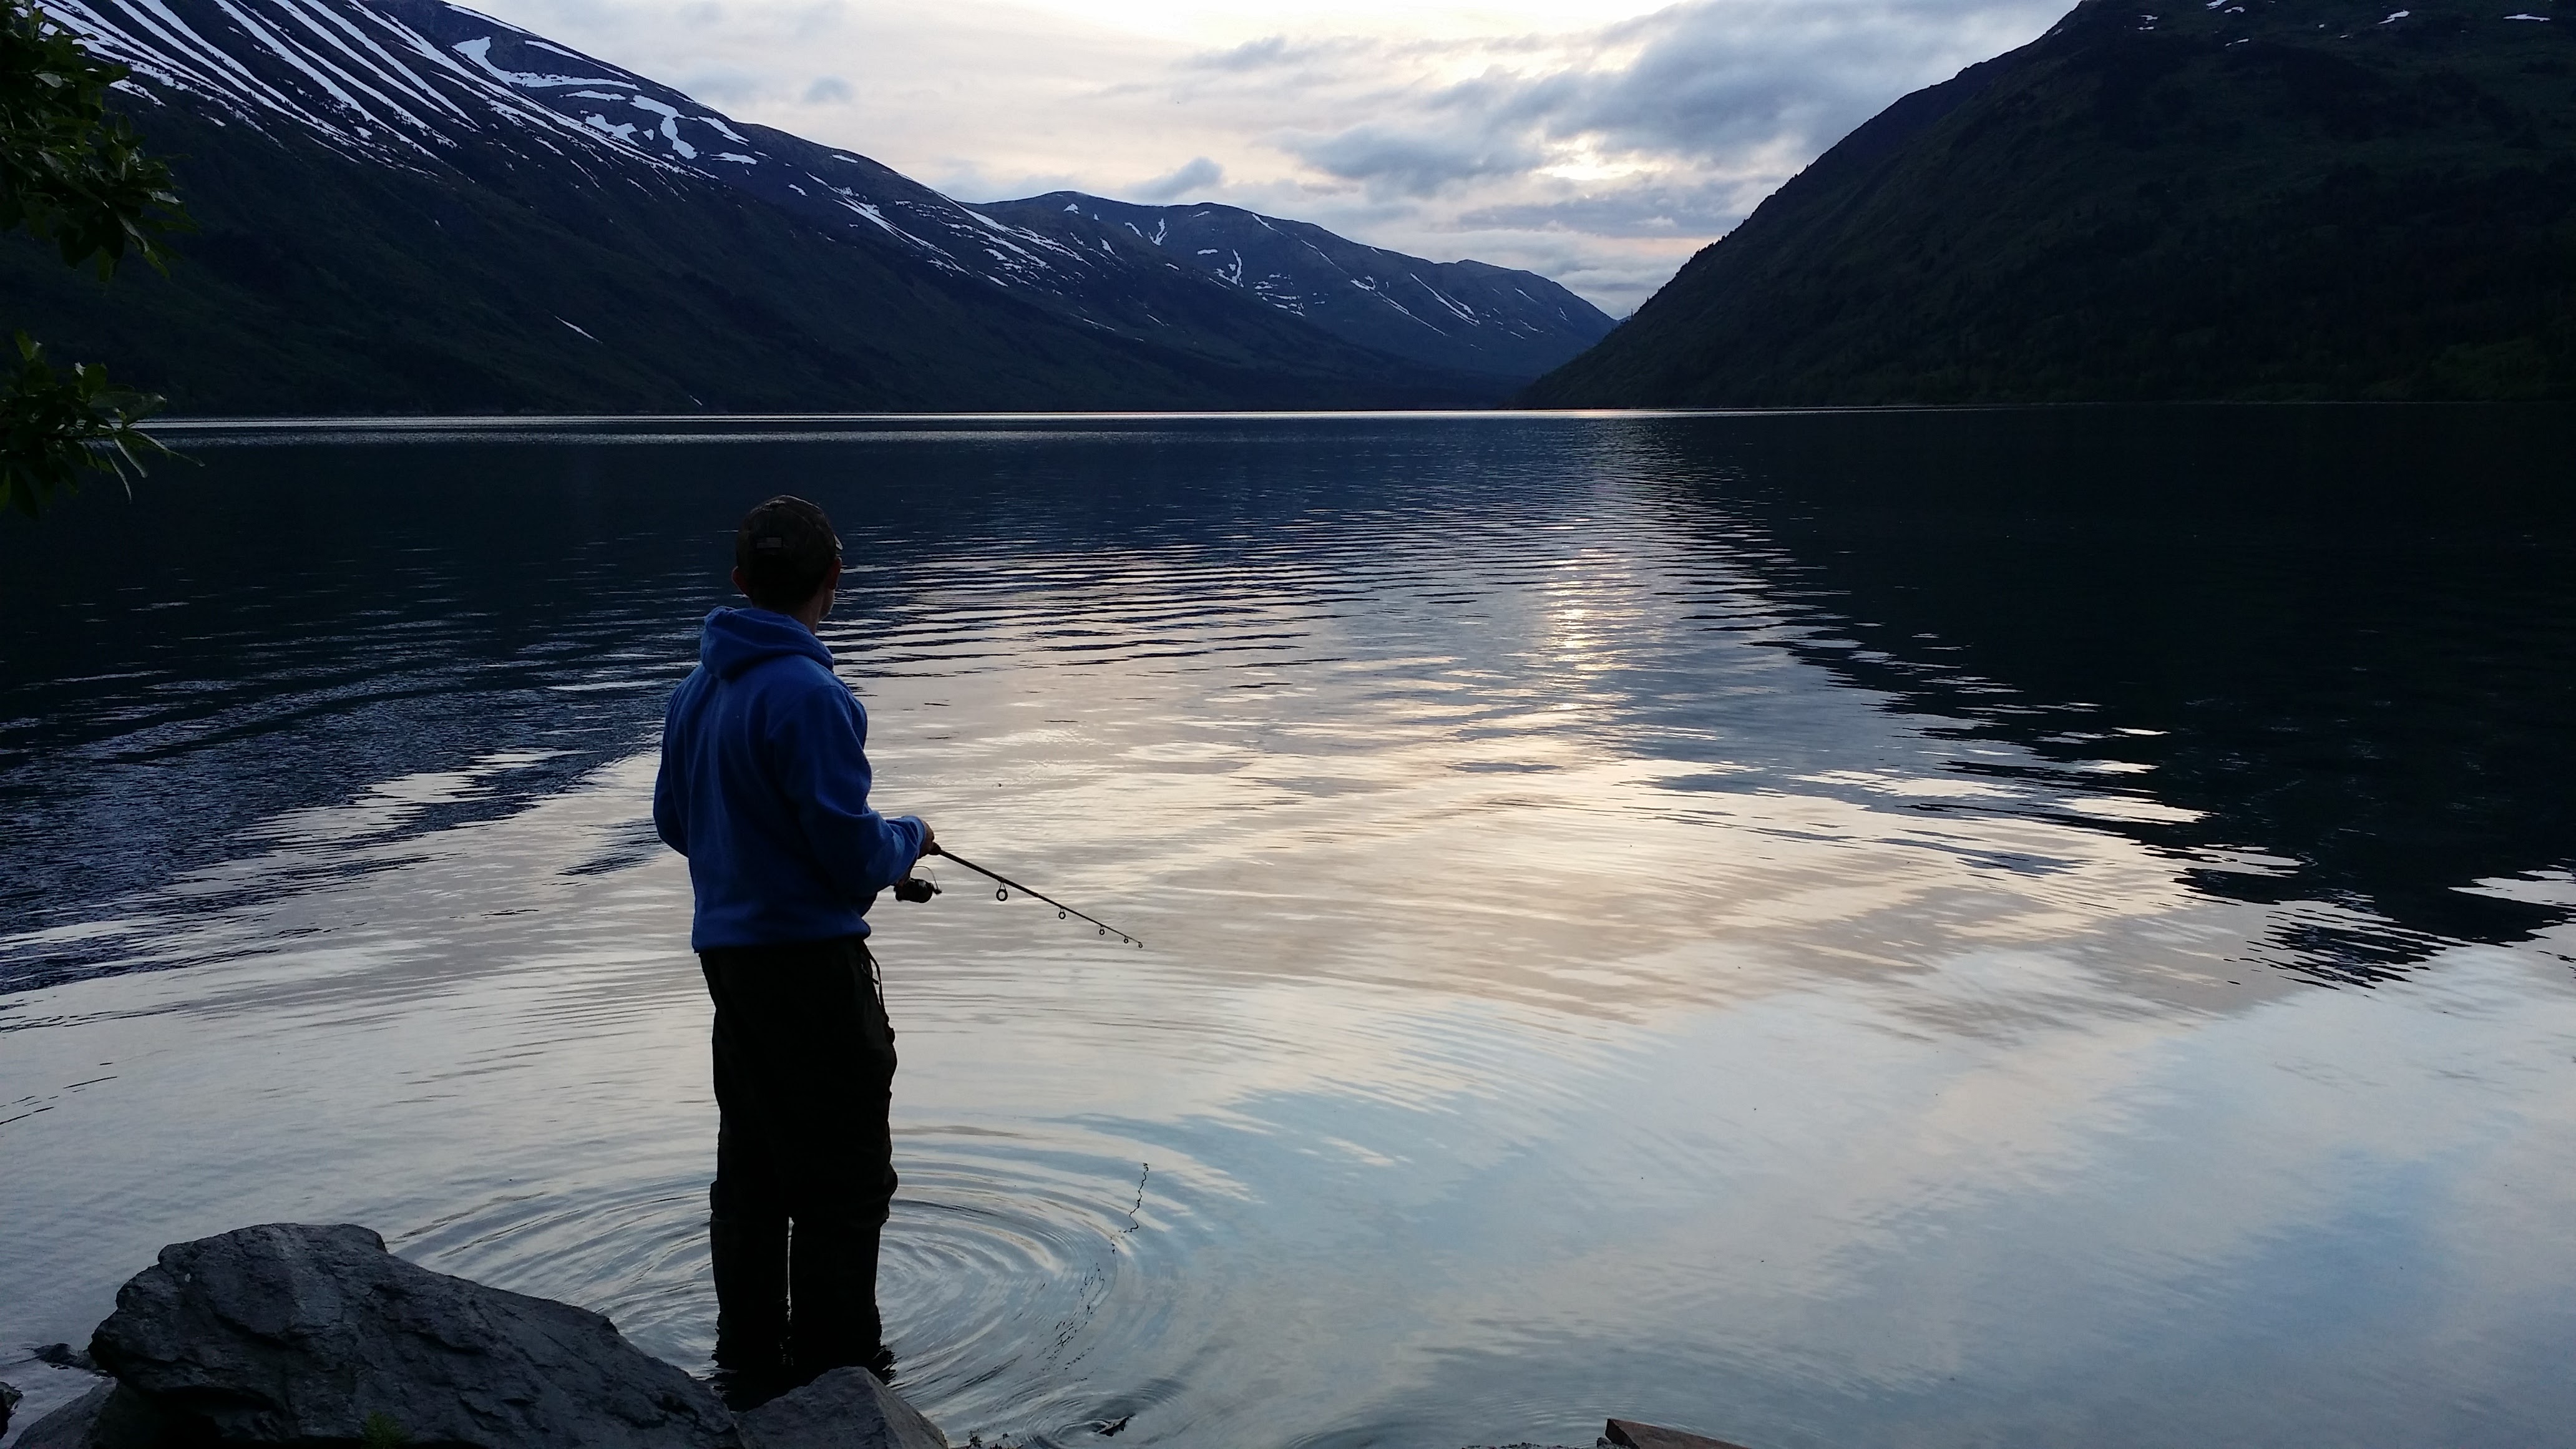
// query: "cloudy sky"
[[1600, 142]]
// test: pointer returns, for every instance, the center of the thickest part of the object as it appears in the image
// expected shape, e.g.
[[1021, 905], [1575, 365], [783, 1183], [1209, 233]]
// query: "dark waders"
[[804, 1066]]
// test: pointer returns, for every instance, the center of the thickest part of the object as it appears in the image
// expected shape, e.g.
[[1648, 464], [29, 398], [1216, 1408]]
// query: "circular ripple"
[[1006, 1269], [1007, 1275]]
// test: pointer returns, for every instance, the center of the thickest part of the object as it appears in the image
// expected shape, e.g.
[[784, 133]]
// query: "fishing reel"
[[915, 889]]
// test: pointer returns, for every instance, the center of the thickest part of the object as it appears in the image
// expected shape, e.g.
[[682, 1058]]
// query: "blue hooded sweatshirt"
[[764, 787]]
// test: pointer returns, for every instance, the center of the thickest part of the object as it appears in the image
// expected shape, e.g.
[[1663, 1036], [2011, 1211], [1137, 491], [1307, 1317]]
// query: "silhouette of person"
[[764, 787]]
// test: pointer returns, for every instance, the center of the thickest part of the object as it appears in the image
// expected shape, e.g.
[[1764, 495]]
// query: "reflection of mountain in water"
[[2347, 632], [2345, 639]]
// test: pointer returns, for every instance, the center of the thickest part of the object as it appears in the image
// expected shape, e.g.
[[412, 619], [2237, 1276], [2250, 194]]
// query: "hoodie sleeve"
[[670, 795], [819, 745]]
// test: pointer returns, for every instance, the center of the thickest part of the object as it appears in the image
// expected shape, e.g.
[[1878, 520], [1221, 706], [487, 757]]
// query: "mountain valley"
[[404, 206]]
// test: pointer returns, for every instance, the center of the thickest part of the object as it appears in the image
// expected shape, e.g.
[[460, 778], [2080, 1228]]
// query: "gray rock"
[[1629, 1434], [70, 1426], [107, 1417], [293, 1334], [9, 1398], [844, 1409]]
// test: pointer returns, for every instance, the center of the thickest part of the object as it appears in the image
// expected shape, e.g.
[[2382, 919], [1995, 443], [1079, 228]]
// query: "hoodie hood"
[[733, 640]]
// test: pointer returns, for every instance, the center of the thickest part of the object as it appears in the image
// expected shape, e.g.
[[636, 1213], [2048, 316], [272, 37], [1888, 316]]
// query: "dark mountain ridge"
[[406, 206], [1468, 316], [2251, 199]]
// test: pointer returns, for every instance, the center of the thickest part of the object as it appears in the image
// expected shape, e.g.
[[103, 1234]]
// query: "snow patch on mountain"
[[479, 51], [420, 84]]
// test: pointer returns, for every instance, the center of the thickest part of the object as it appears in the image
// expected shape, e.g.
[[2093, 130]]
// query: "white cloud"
[[1598, 143]]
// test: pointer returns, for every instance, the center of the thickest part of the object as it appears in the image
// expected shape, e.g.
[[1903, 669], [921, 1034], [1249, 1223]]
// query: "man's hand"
[[912, 888]]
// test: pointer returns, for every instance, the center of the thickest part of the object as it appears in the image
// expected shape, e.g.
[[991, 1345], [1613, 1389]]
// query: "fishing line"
[[1003, 886]]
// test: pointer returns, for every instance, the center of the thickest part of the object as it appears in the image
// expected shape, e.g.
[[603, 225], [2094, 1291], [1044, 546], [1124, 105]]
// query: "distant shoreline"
[[406, 421]]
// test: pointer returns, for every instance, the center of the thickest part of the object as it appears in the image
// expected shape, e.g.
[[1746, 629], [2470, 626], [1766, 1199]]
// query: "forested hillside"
[[2242, 200]]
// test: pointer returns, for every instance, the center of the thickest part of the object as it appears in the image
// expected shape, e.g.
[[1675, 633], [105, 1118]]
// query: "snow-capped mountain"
[[374, 119], [1451, 314], [413, 82]]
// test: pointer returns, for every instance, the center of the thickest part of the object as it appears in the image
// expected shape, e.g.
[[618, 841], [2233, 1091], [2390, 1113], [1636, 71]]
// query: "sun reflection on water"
[[1573, 989]]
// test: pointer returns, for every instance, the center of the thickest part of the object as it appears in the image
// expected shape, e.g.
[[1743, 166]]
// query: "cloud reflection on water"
[[1575, 988]]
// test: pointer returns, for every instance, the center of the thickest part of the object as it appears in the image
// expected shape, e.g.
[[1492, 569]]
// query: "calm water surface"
[[1963, 929]]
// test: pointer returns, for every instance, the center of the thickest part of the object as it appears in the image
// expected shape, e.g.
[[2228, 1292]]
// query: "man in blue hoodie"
[[764, 787]]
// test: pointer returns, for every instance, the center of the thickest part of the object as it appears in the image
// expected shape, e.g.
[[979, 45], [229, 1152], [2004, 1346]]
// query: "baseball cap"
[[785, 548]]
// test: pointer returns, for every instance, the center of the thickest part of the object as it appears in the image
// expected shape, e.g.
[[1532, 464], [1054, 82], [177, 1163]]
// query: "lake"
[[1964, 928]]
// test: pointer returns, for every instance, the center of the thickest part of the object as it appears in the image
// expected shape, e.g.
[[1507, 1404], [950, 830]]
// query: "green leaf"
[[75, 174], [57, 429], [70, 171]]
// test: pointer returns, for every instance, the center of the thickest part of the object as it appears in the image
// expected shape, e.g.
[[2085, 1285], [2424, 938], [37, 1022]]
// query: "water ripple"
[[1629, 934]]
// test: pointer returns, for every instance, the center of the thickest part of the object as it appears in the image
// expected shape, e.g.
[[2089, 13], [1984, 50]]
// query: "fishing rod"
[[922, 890]]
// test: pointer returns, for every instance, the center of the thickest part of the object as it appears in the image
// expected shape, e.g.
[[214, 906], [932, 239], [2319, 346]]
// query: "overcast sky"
[[1600, 142]]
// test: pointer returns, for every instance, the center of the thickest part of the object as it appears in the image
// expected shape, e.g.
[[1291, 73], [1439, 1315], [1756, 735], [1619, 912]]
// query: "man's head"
[[785, 555]]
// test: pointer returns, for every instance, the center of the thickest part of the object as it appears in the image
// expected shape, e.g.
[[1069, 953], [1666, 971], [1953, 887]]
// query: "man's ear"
[[739, 586], [820, 601]]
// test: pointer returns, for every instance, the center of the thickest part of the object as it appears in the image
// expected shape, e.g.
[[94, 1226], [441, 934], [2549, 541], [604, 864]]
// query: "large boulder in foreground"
[[288, 1334], [844, 1409], [1629, 1434]]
